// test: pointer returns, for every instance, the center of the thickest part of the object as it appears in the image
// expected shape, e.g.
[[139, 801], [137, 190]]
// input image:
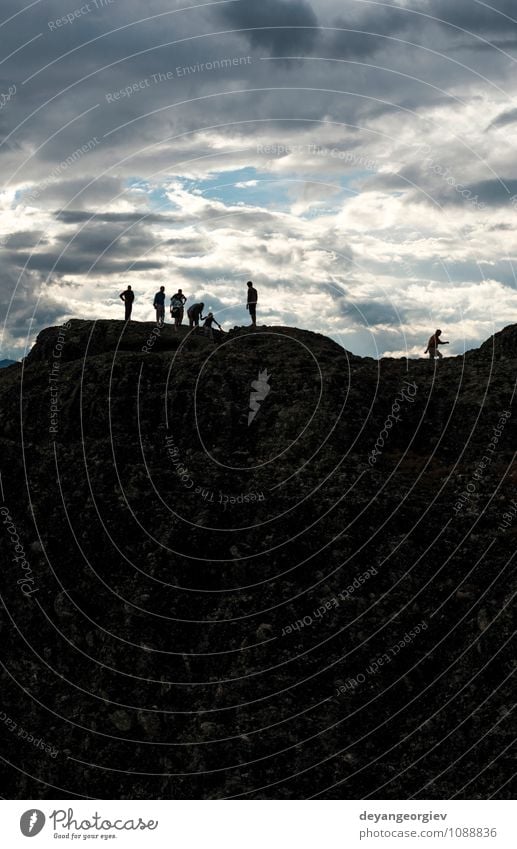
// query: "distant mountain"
[[5, 363]]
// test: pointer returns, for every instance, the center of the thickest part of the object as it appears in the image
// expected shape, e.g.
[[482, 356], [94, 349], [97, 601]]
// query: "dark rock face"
[[256, 566], [502, 344]]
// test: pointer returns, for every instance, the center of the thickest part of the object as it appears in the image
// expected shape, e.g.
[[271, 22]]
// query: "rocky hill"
[[256, 566]]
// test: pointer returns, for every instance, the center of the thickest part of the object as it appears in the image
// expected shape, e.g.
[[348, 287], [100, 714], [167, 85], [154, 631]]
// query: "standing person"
[[159, 305], [177, 311], [195, 312], [251, 303], [432, 345], [128, 296]]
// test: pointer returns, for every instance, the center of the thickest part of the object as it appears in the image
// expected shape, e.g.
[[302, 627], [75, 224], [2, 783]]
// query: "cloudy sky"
[[355, 159]]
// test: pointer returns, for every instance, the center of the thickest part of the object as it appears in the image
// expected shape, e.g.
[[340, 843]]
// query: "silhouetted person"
[[128, 297], [177, 304], [251, 303], [195, 312], [159, 305], [432, 345], [207, 326]]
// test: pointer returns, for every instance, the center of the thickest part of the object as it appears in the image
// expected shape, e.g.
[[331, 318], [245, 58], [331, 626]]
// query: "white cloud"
[[338, 190]]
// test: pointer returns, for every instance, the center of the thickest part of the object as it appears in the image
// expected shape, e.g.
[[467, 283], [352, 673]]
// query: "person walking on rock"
[[432, 345], [159, 305], [195, 312], [128, 296], [251, 303], [177, 304]]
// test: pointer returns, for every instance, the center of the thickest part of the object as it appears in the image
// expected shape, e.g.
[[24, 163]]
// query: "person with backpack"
[[128, 296], [177, 311], [195, 312], [432, 345], [159, 305]]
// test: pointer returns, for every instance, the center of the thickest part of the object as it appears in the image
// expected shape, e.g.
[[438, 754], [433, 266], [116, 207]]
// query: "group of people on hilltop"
[[194, 311], [195, 314]]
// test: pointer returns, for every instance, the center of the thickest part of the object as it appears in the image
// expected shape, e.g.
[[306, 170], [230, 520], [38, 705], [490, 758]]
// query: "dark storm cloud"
[[47, 313], [134, 53], [362, 34], [189, 246], [474, 16], [121, 235], [105, 248], [435, 24], [97, 247], [506, 44], [370, 312], [25, 239], [277, 26], [495, 192], [77, 217], [94, 239], [410, 177], [20, 293], [22, 326], [81, 192], [78, 264], [504, 119], [421, 184], [73, 68], [261, 98]]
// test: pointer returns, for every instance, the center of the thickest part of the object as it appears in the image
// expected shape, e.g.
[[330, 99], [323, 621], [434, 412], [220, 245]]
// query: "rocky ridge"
[[211, 600]]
